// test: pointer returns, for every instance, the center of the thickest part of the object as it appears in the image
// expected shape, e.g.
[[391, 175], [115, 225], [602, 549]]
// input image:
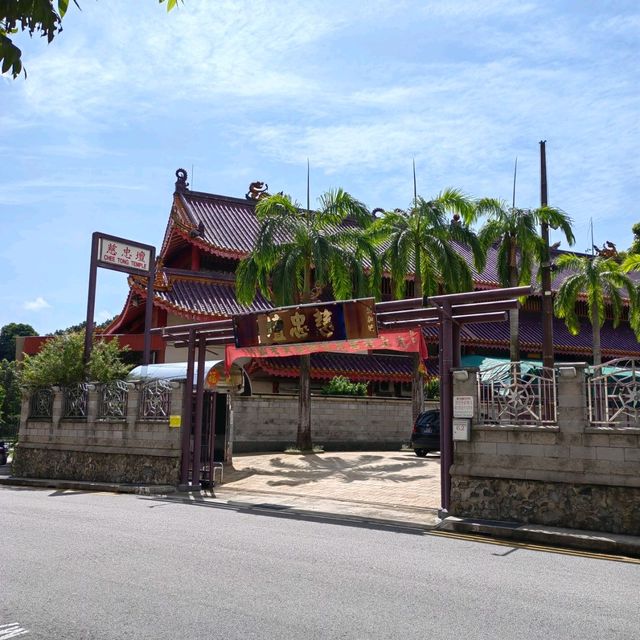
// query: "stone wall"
[[269, 422], [130, 450], [571, 475]]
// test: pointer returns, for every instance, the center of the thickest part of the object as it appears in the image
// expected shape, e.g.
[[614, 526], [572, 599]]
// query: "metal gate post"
[[187, 410], [446, 403], [197, 431]]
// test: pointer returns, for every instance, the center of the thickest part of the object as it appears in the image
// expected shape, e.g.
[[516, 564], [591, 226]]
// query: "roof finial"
[[181, 183], [257, 191]]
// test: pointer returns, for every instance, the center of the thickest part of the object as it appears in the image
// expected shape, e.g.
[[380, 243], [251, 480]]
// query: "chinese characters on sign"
[[125, 256], [323, 322]]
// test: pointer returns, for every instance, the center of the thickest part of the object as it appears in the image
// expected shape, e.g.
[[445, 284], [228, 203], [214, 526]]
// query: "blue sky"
[[245, 91]]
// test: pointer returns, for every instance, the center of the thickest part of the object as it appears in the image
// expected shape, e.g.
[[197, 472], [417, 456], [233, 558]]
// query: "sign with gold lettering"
[[322, 322]]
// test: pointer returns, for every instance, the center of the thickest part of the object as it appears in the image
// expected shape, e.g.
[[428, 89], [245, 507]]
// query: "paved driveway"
[[390, 478]]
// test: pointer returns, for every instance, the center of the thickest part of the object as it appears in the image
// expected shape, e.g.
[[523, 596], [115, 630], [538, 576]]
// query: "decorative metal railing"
[[75, 400], [41, 403], [112, 399], [518, 394], [155, 401], [613, 391]]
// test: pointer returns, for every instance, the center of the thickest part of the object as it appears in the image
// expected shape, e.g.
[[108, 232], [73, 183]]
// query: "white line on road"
[[11, 630]]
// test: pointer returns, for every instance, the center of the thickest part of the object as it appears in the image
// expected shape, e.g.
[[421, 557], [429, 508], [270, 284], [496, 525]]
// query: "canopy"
[[169, 371]]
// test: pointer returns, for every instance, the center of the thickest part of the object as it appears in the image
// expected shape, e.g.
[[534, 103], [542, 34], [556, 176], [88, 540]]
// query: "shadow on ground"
[[317, 467], [283, 511]]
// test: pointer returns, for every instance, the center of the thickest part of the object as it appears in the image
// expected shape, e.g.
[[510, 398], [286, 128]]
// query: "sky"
[[239, 91]]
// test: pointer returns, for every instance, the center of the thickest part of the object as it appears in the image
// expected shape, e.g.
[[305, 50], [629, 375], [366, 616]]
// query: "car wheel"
[[421, 453]]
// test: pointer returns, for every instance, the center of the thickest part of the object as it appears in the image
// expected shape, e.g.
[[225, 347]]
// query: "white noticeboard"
[[463, 406], [462, 429]]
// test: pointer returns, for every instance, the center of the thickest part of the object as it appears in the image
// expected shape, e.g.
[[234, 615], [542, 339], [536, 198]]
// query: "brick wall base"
[[95, 467], [576, 506]]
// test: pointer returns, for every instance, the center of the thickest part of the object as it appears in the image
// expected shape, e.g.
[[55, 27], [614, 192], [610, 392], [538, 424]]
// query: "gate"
[[212, 444]]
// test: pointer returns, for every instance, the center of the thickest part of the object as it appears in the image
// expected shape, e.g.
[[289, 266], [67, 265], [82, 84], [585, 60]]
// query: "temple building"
[[206, 237]]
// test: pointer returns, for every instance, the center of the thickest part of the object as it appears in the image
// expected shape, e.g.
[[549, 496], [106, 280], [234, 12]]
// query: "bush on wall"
[[341, 386]]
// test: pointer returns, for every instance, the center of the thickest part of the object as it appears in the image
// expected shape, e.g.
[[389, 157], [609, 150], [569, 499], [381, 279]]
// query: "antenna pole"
[[515, 175], [308, 190], [545, 269], [415, 187]]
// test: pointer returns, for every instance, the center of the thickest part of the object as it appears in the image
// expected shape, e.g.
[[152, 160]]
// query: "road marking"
[[11, 630], [534, 547]]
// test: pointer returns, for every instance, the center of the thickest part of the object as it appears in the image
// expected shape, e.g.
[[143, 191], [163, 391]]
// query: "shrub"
[[60, 362], [432, 389], [341, 386]]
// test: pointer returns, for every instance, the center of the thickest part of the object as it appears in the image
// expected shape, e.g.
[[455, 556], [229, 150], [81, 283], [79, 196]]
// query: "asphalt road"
[[78, 565]]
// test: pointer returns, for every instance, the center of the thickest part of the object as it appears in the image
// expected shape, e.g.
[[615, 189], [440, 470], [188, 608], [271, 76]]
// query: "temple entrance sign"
[[120, 254]]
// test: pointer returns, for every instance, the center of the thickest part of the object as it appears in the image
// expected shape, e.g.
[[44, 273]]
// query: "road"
[[96, 566]]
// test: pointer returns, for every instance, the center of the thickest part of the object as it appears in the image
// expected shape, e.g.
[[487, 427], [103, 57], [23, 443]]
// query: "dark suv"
[[426, 433]]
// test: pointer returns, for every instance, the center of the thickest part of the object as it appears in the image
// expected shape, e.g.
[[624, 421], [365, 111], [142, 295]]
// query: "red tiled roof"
[[199, 297], [620, 341], [324, 366], [230, 224]]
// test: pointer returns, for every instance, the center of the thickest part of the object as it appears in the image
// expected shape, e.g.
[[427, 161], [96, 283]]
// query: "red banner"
[[411, 341]]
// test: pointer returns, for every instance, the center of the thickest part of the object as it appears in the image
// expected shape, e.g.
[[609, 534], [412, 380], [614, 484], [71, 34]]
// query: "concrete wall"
[[269, 422], [132, 450], [571, 475]]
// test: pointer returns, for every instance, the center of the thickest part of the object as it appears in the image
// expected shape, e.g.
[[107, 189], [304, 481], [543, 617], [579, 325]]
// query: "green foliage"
[[300, 251], [517, 233], [81, 325], [60, 362], [40, 17], [601, 281], [432, 389], [8, 335], [341, 386], [422, 240], [10, 390]]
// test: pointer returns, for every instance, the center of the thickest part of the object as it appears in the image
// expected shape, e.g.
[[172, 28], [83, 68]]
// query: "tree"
[[600, 280], [520, 247], [10, 390], [8, 335], [42, 17], [298, 253], [59, 362], [427, 238]]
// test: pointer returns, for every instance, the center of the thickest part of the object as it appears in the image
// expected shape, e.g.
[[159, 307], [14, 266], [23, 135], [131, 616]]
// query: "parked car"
[[426, 433]]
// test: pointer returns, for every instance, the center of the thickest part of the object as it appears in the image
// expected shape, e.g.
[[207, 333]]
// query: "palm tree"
[[298, 253], [600, 280], [425, 237], [519, 245]]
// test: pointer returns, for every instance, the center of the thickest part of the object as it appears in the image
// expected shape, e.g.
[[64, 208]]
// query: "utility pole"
[[545, 268]]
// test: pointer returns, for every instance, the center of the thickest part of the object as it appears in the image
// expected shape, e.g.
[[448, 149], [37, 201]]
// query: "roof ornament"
[[181, 183], [257, 191], [197, 232], [609, 250]]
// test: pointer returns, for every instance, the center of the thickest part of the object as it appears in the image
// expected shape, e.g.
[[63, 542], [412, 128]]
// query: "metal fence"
[[516, 393], [113, 398], [613, 391], [75, 400], [41, 403], [155, 401]]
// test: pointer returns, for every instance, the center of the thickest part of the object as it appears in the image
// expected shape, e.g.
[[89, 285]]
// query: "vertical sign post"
[[120, 254]]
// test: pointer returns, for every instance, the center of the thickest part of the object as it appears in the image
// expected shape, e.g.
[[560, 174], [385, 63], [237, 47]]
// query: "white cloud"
[[36, 305]]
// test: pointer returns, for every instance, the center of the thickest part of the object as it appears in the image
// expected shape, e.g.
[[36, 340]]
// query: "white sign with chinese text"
[[463, 406], [462, 429], [123, 255]]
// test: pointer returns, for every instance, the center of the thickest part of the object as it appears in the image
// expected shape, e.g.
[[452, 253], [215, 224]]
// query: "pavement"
[[385, 488]]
